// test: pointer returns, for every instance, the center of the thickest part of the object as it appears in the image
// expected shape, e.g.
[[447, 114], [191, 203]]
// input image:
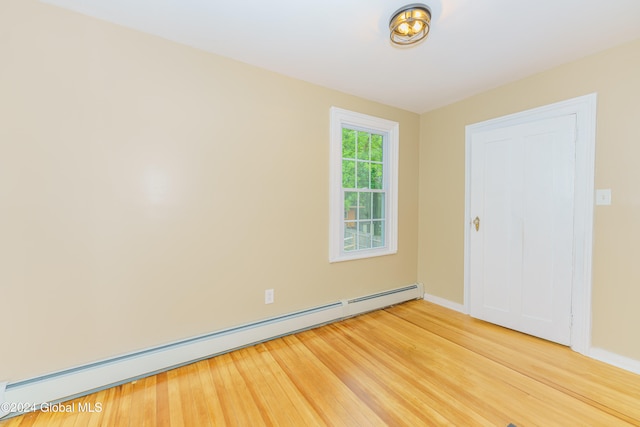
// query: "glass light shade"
[[410, 24]]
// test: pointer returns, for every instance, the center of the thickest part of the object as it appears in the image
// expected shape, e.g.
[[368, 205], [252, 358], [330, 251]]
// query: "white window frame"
[[391, 132]]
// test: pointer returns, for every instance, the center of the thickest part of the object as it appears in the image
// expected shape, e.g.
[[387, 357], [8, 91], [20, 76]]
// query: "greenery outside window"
[[364, 169]]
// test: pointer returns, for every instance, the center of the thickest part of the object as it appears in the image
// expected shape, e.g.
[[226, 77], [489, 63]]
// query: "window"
[[364, 186]]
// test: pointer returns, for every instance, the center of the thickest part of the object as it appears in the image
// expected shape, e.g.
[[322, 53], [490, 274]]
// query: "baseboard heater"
[[82, 380]]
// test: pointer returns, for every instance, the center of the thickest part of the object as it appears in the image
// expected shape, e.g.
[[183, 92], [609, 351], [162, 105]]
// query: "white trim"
[[626, 363], [446, 303], [391, 130], [605, 356], [584, 108], [82, 380]]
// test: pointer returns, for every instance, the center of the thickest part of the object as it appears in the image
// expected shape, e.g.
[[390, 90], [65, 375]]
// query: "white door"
[[522, 230]]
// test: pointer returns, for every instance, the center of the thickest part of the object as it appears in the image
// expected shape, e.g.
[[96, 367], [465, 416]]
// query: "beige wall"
[[151, 192], [615, 76]]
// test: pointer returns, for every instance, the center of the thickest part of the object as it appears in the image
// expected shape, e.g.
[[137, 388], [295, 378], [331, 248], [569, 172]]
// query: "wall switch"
[[603, 197], [268, 296]]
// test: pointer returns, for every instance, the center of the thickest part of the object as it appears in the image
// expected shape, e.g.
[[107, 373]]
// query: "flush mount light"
[[410, 24]]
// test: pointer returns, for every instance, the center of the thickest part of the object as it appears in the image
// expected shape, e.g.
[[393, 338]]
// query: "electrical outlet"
[[269, 296]]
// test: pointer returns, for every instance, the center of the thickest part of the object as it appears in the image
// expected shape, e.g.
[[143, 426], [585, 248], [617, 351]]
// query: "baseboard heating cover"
[[82, 380], [4, 410]]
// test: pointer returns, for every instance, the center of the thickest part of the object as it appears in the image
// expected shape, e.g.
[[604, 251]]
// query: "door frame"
[[584, 107]]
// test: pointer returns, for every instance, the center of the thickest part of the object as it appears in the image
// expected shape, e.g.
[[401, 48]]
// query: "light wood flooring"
[[413, 364]]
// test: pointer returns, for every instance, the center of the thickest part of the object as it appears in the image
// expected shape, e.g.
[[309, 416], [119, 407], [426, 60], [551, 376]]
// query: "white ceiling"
[[474, 45]]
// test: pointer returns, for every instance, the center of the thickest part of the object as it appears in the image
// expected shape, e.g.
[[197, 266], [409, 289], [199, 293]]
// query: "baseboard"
[[605, 356], [614, 359], [82, 380], [445, 303]]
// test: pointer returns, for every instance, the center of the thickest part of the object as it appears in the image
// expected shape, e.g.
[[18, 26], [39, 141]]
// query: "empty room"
[[319, 213]]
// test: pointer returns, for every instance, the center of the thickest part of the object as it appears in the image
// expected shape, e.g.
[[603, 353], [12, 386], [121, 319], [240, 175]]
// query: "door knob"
[[476, 222]]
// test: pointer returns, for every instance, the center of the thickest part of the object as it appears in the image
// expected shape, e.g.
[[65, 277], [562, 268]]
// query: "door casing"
[[584, 107]]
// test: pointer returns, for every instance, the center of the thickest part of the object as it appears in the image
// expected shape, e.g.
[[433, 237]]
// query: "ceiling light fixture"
[[410, 24]]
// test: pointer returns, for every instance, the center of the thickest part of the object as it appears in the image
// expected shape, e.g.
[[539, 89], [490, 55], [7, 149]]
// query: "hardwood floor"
[[412, 364]]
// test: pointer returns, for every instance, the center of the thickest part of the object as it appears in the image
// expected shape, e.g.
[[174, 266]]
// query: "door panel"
[[500, 223], [521, 257]]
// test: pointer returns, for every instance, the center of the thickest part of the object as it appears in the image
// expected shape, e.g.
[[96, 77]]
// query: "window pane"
[[362, 173], [377, 240], [364, 235], [350, 236], [348, 143], [350, 205], [363, 145], [376, 176], [364, 206], [378, 206], [376, 148], [348, 174]]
